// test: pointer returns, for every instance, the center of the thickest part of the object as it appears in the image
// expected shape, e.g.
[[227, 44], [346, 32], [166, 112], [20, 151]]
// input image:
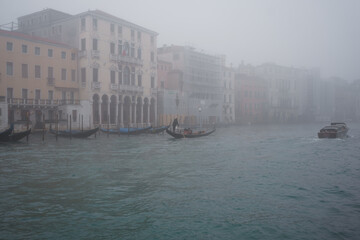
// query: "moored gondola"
[[126, 131], [75, 133], [157, 130], [5, 134], [16, 136]]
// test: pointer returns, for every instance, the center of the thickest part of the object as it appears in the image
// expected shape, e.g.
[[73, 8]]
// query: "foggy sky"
[[322, 34]]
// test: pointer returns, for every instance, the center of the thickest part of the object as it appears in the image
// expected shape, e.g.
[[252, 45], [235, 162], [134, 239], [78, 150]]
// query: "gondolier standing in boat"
[[175, 123]]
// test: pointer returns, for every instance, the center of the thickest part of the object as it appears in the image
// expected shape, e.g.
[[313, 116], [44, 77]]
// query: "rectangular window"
[[63, 74], [37, 94], [132, 50], [95, 44], [83, 22], [83, 44], [37, 71], [112, 77], [50, 72], [152, 57], [139, 80], [83, 74], [95, 25], [73, 56], [73, 75], [152, 82], [9, 46], [37, 51], [63, 55], [50, 95], [72, 98], [120, 47], [120, 74], [112, 28], [119, 29], [24, 70], [24, 48], [132, 34], [50, 52], [95, 74], [9, 93], [152, 39], [112, 48], [132, 76], [9, 68], [24, 93], [63, 96], [139, 36]]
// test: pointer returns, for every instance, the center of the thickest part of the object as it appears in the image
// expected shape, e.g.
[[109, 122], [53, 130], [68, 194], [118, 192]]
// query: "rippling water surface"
[[252, 182]]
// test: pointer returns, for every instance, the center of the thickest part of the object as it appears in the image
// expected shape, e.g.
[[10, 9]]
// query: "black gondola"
[[14, 137], [126, 131], [187, 133], [157, 130], [5, 134], [75, 133]]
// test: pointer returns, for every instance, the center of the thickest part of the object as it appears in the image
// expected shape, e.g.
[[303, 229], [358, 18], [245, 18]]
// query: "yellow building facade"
[[38, 80]]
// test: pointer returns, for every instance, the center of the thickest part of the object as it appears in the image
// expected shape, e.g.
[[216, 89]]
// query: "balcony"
[[83, 84], [113, 57], [95, 54], [127, 59], [95, 85], [82, 54], [114, 87], [131, 88], [27, 102], [51, 81]]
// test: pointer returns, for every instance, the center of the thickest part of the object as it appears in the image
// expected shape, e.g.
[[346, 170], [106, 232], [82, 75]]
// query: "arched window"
[[126, 76]]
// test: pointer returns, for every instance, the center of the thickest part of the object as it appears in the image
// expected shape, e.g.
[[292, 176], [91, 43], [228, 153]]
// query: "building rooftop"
[[28, 37]]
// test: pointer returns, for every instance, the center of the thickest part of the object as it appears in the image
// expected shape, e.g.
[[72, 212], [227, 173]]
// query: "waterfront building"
[[251, 100], [38, 79], [117, 63], [196, 82], [291, 92], [228, 106]]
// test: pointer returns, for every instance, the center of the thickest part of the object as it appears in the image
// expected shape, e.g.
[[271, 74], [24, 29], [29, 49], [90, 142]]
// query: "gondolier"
[[175, 123]]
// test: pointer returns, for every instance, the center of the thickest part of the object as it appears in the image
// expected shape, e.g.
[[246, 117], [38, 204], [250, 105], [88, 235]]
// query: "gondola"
[[75, 133], [5, 134], [126, 131], [157, 130], [14, 137], [187, 133]]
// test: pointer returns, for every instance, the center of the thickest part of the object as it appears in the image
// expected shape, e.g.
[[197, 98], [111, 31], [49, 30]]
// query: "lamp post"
[[199, 115]]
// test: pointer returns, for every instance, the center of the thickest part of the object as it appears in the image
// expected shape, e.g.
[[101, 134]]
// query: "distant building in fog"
[[196, 81], [228, 106], [291, 92], [251, 103]]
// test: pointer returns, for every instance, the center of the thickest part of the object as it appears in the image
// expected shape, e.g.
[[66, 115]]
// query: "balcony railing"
[[128, 59], [131, 88], [82, 54], [95, 54], [113, 57], [96, 85], [114, 86], [51, 81], [41, 102]]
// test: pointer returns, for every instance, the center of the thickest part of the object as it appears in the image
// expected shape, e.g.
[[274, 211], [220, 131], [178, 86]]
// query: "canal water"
[[246, 182]]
